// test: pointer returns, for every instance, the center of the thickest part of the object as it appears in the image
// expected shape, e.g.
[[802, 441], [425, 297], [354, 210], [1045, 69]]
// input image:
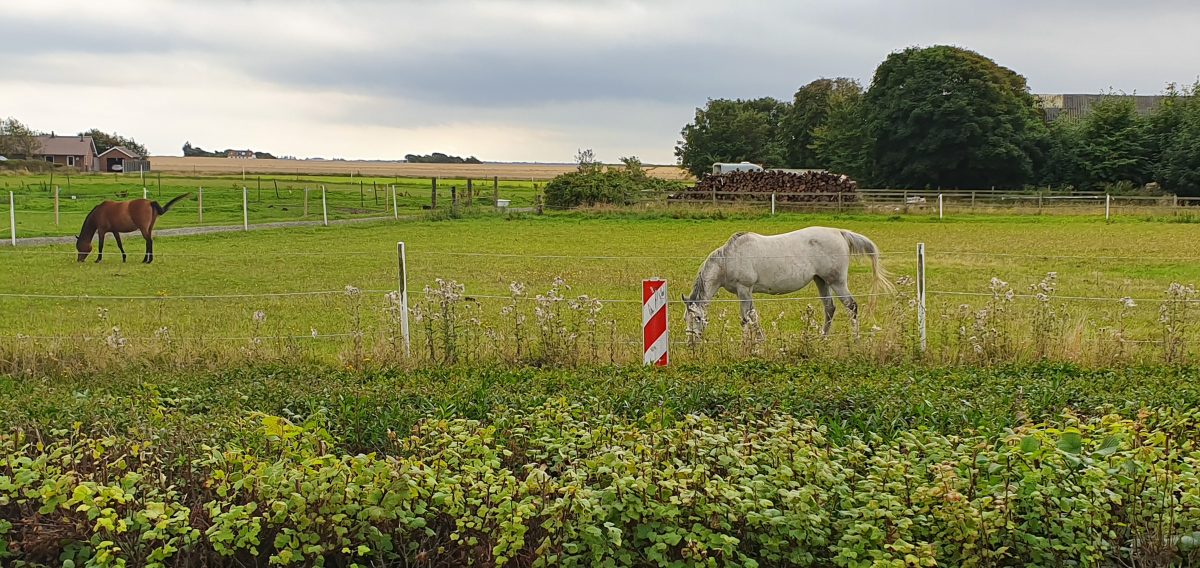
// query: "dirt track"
[[377, 168]]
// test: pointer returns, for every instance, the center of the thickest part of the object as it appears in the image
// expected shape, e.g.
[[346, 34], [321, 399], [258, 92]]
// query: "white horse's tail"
[[862, 245]]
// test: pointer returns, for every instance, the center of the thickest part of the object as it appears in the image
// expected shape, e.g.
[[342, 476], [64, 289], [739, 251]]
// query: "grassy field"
[[269, 197], [605, 256]]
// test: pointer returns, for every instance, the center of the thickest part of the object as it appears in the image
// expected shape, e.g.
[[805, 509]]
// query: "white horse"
[[781, 264]]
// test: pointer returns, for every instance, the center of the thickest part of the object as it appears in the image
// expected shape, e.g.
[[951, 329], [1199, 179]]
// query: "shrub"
[[595, 185]]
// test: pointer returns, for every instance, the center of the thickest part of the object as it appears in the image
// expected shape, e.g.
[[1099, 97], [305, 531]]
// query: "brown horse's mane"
[[89, 223]]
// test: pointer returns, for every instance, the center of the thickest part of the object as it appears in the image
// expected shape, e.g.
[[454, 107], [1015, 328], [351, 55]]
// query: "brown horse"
[[118, 217]]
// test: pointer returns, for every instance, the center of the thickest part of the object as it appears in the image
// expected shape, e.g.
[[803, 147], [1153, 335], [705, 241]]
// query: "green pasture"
[[603, 256], [269, 198]]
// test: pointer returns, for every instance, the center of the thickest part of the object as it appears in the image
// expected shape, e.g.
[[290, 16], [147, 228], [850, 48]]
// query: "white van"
[[724, 168]]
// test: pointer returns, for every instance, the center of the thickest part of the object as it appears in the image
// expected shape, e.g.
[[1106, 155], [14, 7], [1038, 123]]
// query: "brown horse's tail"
[[162, 209]]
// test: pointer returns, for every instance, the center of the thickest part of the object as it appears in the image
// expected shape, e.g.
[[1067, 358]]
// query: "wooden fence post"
[[454, 200], [495, 191], [200, 204], [433, 196]]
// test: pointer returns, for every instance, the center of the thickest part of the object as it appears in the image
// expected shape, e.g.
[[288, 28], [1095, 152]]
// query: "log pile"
[[788, 187]]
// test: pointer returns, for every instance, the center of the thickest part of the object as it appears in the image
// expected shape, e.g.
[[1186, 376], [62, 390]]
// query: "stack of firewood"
[[807, 187]]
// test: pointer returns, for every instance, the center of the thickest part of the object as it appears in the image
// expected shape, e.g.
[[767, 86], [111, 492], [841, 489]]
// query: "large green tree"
[[810, 110], [1114, 145], [1175, 135], [104, 141], [840, 144], [950, 117], [732, 131], [1064, 166], [17, 140]]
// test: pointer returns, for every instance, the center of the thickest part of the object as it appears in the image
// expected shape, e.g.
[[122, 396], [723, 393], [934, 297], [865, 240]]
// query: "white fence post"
[[772, 202], [12, 217], [1107, 205], [245, 211], [403, 296], [655, 339], [145, 194], [395, 208], [200, 203], [56, 206], [324, 209], [306, 202], [940, 206], [921, 293]]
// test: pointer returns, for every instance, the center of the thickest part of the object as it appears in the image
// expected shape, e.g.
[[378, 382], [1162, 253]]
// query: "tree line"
[[944, 116], [440, 158], [198, 152]]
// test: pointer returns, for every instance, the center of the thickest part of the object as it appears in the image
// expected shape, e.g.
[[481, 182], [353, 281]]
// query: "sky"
[[520, 80]]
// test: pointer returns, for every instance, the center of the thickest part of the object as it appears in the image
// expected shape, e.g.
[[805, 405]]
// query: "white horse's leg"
[[749, 314], [843, 292], [747, 303], [830, 308]]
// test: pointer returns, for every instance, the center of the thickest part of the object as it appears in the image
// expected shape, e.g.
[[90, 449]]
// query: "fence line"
[[534, 298], [1056, 297], [169, 337], [168, 297]]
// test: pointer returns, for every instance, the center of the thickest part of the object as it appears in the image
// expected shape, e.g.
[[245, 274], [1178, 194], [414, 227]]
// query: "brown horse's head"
[[83, 246]]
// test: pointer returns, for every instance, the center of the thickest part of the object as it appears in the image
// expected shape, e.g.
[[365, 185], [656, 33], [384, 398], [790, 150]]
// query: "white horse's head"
[[695, 319]]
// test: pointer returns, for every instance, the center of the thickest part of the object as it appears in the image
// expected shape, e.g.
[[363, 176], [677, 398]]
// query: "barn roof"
[[66, 145], [120, 149]]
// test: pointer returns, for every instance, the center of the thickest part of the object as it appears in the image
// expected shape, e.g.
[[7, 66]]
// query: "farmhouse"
[[240, 154], [72, 151]]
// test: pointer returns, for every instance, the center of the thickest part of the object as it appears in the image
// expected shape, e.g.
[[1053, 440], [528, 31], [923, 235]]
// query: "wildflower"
[[102, 313], [517, 289], [1127, 302], [352, 291], [162, 333], [314, 333], [260, 316], [115, 340]]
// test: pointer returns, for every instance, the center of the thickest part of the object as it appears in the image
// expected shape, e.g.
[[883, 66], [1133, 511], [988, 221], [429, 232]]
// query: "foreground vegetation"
[[734, 465]]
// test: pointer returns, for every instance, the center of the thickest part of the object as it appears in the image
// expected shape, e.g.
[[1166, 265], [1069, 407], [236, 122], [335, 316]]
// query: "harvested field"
[[380, 168]]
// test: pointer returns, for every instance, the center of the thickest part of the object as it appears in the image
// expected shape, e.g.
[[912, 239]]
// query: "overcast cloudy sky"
[[520, 80]]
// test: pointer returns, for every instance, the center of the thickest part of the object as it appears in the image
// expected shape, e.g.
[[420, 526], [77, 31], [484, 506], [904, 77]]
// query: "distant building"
[[1078, 106], [71, 151], [118, 159], [240, 154]]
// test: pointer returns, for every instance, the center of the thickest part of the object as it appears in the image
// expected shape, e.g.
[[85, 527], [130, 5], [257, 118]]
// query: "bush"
[[559, 484], [594, 186]]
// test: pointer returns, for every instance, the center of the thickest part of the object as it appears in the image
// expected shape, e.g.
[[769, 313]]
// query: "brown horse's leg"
[[121, 246], [146, 234], [100, 250]]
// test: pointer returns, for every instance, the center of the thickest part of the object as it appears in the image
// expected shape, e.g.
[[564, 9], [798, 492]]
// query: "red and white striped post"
[[654, 322]]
